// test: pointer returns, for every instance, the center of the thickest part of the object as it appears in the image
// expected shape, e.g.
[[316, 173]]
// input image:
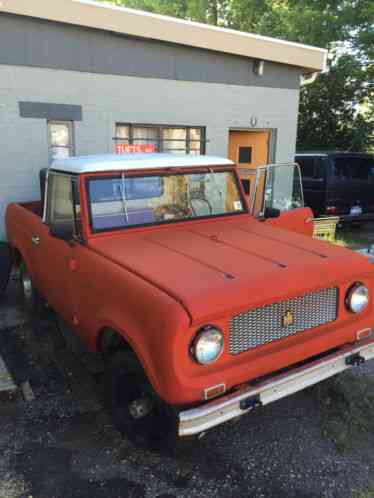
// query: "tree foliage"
[[337, 110]]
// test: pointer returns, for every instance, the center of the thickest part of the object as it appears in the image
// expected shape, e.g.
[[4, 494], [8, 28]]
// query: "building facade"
[[84, 78]]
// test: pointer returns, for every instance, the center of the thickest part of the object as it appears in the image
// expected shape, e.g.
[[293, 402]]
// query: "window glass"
[[341, 169], [60, 139], [122, 131], [174, 140], [156, 138], [195, 141], [60, 200], [59, 134], [319, 168], [144, 135], [283, 189], [245, 155], [130, 201], [146, 187], [356, 168], [246, 186], [307, 166], [361, 168]]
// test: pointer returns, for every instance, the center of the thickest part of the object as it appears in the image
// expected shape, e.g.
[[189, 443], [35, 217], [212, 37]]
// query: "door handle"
[[35, 239]]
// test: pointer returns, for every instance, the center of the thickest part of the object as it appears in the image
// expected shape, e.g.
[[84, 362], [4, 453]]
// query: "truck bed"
[[33, 206]]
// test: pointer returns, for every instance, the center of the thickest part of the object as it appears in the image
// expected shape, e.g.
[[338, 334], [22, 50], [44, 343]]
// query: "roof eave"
[[131, 22]]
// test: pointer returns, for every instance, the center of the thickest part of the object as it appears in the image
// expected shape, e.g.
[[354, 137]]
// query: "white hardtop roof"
[[135, 161], [118, 19]]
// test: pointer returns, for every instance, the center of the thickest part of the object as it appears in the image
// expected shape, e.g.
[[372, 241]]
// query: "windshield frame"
[[160, 172]]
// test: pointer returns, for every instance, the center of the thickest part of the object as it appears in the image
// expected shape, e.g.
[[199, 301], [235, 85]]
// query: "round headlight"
[[357, 298], [208, 345]]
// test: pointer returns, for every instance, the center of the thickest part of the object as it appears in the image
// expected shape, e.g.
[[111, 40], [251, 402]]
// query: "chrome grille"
[[266, 324]]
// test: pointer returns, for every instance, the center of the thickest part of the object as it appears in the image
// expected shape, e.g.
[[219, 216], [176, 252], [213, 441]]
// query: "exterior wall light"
[[258, 67]]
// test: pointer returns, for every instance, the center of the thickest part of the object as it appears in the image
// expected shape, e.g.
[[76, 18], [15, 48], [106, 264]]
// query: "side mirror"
[[271, 213], [63, 232]]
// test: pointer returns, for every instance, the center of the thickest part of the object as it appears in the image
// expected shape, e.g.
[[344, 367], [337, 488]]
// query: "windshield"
[[119, 202]]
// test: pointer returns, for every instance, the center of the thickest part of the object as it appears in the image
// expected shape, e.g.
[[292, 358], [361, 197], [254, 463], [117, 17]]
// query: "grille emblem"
[[287, 319]]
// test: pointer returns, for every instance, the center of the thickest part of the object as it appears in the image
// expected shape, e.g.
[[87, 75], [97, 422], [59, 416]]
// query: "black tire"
[[32, 299], [5, 265], [138, 412]]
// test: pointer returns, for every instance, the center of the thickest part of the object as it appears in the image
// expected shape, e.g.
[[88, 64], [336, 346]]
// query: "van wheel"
[[137, 411], [31, 297]]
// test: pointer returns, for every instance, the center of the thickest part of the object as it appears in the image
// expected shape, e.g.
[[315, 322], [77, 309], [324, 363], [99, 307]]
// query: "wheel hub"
[[27, 286], [140, 407]]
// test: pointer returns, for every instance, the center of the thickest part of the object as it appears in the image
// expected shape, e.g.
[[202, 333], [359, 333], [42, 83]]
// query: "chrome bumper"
[[245, 399]]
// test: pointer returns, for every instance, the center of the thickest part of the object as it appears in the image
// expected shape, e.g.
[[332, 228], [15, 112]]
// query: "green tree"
[[207, 11], [336, 111]]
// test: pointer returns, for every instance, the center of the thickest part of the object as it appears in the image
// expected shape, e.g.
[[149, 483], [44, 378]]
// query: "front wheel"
[[137, 411]]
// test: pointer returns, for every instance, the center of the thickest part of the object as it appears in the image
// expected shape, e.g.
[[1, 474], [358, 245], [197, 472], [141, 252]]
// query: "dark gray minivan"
[[338, 184]]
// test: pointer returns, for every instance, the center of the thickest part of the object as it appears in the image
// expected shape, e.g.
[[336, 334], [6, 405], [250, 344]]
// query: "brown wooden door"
[[249, 149]]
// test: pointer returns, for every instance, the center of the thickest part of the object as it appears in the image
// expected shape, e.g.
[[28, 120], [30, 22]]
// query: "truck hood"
[[217, 268]]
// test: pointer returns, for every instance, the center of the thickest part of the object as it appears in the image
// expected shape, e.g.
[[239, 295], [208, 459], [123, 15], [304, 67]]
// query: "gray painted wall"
[[107, 99], [37, 43]]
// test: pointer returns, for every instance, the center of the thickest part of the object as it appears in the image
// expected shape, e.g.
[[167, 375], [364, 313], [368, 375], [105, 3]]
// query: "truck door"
[[53, 256], [278, 187]]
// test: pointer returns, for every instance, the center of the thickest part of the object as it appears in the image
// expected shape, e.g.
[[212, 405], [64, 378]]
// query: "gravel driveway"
[[63, 445]]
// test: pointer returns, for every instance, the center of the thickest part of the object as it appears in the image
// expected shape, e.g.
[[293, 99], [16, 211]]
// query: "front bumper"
[[245, 399]]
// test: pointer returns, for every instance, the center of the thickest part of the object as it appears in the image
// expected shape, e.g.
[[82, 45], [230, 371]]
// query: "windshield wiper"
[[123, 197]]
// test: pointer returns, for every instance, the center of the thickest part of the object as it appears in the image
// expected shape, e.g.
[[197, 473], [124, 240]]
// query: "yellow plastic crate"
[[325, 228]]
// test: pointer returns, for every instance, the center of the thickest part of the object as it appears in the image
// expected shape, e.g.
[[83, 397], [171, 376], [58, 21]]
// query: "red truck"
[[201, 310]]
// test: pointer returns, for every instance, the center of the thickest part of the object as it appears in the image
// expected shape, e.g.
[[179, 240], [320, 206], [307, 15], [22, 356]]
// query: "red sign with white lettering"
[[126, 148]]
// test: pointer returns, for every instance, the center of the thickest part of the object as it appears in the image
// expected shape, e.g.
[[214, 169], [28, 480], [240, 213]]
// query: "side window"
[[319, 169], [60, 205], [61, 143], [306, 166]]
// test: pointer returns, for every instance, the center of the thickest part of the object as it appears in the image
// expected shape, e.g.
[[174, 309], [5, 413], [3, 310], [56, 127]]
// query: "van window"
[[306, 166], [319, 168], [355, 168]]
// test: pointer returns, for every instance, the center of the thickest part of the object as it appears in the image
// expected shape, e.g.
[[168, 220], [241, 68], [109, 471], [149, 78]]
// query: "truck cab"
[[202, 308]]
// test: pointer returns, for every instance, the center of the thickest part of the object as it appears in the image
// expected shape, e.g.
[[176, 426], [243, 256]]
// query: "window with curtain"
[[157, 138], [61, 143]]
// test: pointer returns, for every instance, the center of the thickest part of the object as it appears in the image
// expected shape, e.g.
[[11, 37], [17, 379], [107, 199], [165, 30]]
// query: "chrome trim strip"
[[208, 415]]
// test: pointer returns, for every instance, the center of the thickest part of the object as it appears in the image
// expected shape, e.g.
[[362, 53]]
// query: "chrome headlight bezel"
[[360, 293], [207, 336]]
